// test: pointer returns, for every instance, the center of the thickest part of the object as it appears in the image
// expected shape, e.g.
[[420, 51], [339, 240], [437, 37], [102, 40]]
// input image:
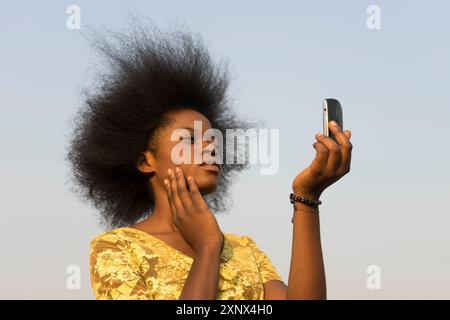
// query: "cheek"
[[189, 170], [162, 167], [187, 164]]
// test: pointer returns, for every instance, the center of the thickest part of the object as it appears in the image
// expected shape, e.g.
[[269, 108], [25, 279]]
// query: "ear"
[[145, 162]]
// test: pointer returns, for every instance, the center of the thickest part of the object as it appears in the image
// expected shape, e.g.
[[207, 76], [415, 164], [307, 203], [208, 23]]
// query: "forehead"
[[185, 118]]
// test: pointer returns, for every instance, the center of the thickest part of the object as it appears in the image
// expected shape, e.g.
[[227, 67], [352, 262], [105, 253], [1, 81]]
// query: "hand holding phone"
[[332, 110]]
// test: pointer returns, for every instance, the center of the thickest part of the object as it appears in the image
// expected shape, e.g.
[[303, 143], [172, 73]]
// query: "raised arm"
[[307, 274], [332, 161]]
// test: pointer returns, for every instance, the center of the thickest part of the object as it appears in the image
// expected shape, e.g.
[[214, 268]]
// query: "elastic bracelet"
[[309, 202], [310, 211]]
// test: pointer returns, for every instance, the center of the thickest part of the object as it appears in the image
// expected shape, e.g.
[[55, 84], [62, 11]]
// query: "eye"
[[188, 139]]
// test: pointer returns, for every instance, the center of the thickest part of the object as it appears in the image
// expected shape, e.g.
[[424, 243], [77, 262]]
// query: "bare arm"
[[307, 272], [203, 278], [332, 161]]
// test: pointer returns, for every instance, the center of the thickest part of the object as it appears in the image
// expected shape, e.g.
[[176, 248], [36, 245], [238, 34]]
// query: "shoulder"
[[239, 240], [266, 268], [246, 242], [117, 238]]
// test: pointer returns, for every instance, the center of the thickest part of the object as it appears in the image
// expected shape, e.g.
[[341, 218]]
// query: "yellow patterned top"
[[127, 263]]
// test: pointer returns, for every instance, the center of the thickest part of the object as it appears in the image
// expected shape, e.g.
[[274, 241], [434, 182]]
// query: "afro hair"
[[148, 73]]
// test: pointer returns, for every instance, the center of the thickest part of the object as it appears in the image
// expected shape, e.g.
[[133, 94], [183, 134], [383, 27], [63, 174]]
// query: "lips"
[[211, 167]]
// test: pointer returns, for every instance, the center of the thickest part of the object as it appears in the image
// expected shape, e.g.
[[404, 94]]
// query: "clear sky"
[[392, 210]]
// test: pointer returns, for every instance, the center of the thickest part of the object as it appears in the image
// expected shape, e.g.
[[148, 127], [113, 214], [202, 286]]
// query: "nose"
[[209, 150]]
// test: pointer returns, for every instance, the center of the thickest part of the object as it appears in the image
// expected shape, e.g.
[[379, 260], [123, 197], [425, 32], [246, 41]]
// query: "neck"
[[160, 220]]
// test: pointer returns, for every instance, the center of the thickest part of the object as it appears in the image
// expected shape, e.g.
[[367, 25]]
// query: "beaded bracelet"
[[304, 200], [307, 201]]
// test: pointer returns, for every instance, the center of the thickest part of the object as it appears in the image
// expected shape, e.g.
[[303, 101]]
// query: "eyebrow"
[[190, 128]]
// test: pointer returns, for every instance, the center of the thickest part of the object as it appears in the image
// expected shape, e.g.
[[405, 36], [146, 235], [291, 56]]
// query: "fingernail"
[[318, 135], [166, 181], [177, 169], [333, 123], [169, 171]]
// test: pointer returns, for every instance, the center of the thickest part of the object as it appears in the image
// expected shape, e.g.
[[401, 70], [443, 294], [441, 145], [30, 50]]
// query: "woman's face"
[[172, 143]]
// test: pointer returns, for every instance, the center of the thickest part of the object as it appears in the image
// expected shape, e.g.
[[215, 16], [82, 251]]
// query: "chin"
[[207, 183]]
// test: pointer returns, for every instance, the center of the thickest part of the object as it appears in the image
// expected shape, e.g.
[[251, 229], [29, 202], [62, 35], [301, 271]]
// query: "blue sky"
[[391, 210]]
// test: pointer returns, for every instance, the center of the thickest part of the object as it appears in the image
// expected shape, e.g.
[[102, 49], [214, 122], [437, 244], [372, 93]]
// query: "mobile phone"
[[332, 110]]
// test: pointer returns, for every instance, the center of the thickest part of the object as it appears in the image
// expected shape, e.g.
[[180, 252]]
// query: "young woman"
[[165, 242]]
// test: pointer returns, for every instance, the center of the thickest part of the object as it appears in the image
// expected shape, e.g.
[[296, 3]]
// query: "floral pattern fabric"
[[127, 263]]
